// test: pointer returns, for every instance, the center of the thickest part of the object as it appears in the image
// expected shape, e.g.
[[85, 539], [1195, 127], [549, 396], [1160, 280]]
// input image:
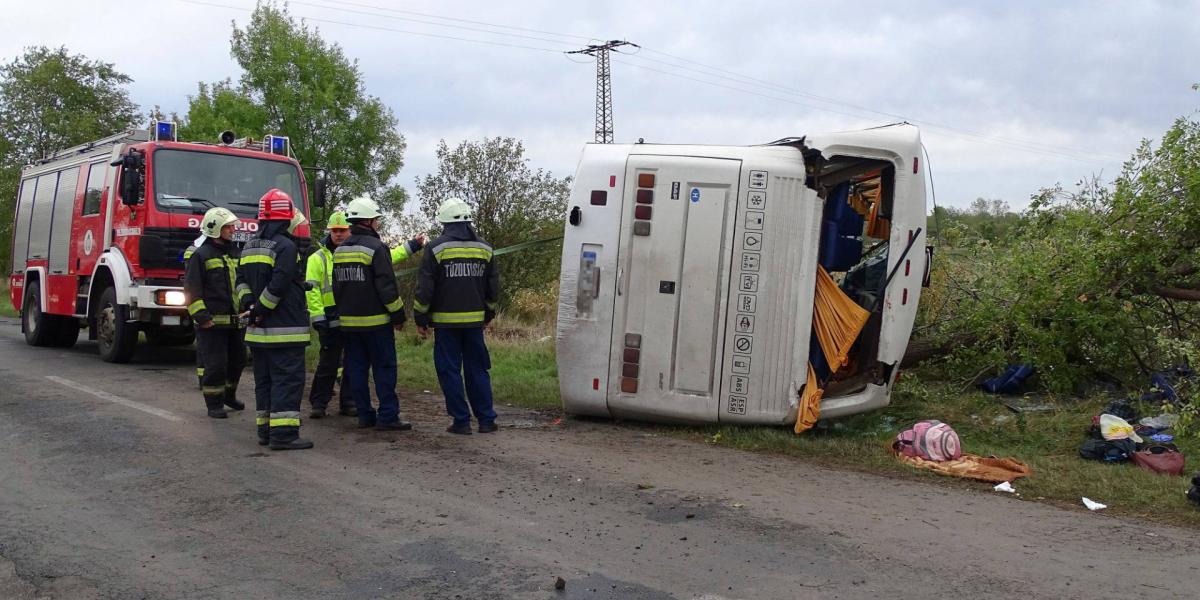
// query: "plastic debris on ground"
[[1161, 422], [1092, 504], [1005, 487]]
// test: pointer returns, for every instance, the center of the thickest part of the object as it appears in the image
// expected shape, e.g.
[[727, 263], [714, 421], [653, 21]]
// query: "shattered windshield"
[[193, 182]]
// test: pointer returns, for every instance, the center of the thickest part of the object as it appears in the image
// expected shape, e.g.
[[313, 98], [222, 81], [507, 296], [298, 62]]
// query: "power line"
[[382, 28], [849, 114], [422, 21], [746, 79], [458, 20], [717, 72]]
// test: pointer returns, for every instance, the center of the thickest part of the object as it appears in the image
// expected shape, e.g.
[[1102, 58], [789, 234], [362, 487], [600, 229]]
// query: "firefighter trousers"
[[458, 355], [329, 370], [373, 351], [221, 354], [278, 387]]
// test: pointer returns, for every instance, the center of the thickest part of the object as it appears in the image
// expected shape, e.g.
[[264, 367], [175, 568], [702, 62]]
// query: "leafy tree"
[[51, 99], [294, 83], [1095, 282], [513, 203]]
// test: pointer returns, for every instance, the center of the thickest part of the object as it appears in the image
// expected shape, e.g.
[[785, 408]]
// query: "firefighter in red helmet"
[[278, 329]]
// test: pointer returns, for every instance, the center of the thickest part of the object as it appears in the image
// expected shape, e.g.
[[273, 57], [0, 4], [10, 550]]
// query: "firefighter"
[[457, 290], [369, 307], [278, 329], [322, 311], [187, 254], [210, 282]]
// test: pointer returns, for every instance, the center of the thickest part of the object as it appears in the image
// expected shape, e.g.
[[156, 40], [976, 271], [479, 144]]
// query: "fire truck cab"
[[689, 274], [101, 229]]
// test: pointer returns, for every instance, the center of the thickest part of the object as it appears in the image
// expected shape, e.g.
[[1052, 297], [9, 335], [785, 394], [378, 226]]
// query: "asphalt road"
[[113, 484]]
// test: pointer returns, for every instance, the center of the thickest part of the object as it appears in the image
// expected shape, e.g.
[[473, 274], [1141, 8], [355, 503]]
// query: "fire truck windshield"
[[194, 181]]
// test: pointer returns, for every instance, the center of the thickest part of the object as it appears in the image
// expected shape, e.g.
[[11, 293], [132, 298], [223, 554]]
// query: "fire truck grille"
[[163, 247]]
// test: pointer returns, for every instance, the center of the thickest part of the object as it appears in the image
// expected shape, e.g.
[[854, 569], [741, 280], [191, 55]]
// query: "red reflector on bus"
[[646, 180], [628, 386], [596, 383], [904, 297], [914, 164], [612, 181], [907, 266], [642, 212]]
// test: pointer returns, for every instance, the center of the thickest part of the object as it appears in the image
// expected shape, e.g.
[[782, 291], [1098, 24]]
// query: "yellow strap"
[[284, 422]]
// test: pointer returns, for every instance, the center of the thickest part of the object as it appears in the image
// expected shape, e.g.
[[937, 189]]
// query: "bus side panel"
[[588, 279], [769, 326]]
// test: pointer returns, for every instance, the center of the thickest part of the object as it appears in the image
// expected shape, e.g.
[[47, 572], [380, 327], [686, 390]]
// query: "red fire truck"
[[101, 229]]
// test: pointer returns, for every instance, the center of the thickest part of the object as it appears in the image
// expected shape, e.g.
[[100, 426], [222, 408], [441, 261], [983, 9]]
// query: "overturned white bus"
[[689, 275]]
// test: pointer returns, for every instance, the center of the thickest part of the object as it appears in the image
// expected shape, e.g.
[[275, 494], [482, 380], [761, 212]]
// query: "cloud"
[[1004, 90]]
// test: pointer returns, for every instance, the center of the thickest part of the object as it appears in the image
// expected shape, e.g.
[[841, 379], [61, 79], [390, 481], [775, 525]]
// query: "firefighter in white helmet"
[[210, 283], [457, 291], [369, 306]]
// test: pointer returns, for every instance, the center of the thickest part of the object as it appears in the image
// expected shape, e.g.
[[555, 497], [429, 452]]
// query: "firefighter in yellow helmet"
[[210, 283]]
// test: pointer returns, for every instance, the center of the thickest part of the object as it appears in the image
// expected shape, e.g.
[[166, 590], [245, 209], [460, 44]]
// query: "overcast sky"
[[1011, 96]]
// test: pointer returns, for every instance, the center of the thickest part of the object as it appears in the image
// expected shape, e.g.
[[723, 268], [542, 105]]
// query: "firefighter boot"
[[215, 410], [296, 444], [231, 399]]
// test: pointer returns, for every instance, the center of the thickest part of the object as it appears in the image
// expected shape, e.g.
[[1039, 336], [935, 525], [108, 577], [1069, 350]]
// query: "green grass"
[[6, 307], [523, 370], [524, 374], [1047, 442]]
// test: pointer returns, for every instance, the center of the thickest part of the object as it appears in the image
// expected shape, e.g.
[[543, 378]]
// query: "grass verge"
[[6, 307], [523, 368]]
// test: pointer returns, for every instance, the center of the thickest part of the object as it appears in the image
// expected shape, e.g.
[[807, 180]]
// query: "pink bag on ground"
[[931, 440]]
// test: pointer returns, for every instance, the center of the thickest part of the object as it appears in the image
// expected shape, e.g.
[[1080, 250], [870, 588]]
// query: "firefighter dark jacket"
[[271, 269], [210, 284], [364, 285], [458, 284]]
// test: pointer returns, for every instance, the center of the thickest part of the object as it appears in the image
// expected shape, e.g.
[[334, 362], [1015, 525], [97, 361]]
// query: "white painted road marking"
[[158, 412]]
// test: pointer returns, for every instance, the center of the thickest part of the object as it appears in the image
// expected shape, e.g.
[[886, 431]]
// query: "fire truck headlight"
[[171, 298]]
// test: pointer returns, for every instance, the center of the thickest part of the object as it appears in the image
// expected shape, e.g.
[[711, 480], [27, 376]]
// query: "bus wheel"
[[40, 328], [117, 339], [68, 332]]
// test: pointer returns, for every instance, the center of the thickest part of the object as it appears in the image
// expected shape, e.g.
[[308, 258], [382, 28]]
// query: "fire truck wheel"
[[40, 328], [116, 338], [68, 332]]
